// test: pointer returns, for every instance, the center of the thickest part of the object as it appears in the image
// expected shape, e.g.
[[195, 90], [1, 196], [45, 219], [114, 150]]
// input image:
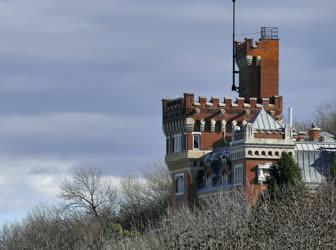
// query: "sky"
[[81, 81]]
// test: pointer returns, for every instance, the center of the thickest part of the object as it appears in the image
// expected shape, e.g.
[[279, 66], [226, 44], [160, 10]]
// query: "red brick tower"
[[259, 65], [198, 130]]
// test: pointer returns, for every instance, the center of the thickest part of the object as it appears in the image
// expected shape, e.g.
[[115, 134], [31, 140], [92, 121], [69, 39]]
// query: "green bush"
[[285, 173]]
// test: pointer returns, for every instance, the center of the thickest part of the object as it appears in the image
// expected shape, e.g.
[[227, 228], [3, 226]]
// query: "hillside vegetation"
[[95, 217]]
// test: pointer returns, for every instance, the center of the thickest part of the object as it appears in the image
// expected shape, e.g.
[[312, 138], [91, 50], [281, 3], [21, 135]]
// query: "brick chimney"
[[314, 133], [302, 135]]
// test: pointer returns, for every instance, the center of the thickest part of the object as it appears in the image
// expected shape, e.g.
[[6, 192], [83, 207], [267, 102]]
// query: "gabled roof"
[[263, 121]]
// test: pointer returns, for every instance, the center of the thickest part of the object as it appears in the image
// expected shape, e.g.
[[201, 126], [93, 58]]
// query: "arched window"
[[256, 152], [270, 153], [197, 126], [249, 152], [228, 127], [218, 127], [276, 153], [207, 127], [263, 153]]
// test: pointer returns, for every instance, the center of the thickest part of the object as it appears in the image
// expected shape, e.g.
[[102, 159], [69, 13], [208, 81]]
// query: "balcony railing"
[[269, 33]]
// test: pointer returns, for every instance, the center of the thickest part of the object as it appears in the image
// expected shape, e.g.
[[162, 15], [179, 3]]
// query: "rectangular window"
[[208, 182], [177, 143], [172, 141], [225, 181], [230, 177], [168, 145], [238, 174], [197, 141], [179, 184], [184, 142]]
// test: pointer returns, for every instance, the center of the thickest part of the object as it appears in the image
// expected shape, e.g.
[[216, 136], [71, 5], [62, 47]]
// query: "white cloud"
[[44, 184]]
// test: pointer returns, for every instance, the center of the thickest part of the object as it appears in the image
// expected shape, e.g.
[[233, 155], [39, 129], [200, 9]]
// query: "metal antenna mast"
[[234, 55]]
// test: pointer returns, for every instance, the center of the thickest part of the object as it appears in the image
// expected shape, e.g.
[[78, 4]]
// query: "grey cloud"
[[44, 170], [82, 81]]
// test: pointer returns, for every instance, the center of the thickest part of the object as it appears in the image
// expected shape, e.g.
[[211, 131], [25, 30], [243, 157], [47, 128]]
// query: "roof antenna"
[[234, 55]]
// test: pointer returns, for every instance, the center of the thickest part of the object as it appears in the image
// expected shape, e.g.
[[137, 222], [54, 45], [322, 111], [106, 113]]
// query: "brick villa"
[[216, 144]]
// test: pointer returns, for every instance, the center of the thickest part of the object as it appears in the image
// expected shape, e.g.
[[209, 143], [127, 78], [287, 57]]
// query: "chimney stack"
[[314, 133]]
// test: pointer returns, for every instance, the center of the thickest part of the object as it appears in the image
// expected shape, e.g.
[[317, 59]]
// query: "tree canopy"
[[285, 173]]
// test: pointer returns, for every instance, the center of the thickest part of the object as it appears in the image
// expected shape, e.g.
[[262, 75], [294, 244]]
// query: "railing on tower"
[[269, 33]]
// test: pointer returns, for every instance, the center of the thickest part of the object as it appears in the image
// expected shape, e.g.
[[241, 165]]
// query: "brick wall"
[[253, 190], [260, 79]]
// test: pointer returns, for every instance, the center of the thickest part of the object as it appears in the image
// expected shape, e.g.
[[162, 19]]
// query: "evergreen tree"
[[285, 173]]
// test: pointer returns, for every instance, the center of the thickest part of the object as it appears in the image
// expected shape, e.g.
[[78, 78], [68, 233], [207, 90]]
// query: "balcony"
[[217, 188], [213, 184]]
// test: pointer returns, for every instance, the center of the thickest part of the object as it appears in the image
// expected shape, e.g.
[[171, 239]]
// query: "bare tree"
[[86, 191], [302, 125], [325, 117], [158, 187], [145, 199]]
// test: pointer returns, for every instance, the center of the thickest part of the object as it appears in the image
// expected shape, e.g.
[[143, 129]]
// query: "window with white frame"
[[177, 143], [238, 174], [179, 182], [196, 141]]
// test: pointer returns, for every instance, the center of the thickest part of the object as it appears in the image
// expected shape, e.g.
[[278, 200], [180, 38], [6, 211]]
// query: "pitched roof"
[[263, 121], [315, 159]]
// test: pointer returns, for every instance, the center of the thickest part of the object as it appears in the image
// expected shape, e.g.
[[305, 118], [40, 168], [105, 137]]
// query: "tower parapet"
[[178, 114]]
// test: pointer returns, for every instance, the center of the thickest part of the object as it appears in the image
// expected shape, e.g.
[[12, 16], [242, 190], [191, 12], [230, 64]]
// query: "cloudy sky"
[[81, 81]]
